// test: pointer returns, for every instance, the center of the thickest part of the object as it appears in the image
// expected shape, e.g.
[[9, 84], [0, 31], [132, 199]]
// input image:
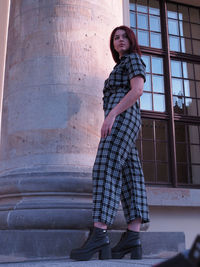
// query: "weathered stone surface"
[[58, 58], [173, 197], [48, 201], [58, 243]]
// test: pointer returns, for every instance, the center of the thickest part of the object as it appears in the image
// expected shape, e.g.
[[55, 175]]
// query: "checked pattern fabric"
[[117, 172]]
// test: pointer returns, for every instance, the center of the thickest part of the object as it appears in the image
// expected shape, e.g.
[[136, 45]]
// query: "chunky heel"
[[136, 253], [129, 243], [105, 253], [98, 241]]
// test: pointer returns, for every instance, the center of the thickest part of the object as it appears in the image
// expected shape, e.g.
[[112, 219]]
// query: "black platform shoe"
[[129, 243], [97, 241]]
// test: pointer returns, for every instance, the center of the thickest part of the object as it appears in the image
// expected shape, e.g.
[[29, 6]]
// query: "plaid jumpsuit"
[[117, 173]]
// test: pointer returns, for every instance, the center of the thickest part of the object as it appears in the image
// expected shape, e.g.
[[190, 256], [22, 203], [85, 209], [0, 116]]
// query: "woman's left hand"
[[107, 125]]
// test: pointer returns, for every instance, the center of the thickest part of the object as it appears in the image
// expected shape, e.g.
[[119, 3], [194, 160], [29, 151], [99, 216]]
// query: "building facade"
[[54, 59]]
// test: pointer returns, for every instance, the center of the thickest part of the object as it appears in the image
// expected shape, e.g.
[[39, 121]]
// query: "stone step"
[[37, 244]]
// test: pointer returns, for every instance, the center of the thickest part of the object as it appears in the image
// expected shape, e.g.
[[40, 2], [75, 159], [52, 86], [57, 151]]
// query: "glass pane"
[[195, 31], [176, 68], [158, 84], [149, 171], [132, 20], [197, 71], [147, 62], [161, 130], [194, 134], [181, 152], [132, 4], [156, 40], [191, 106], [196, 45], [142, 21], [182, 173], [142, 6], [148, 150], [159, 102], [188, 70], [157, 65], [195, 174], [178, 103], [154, 7], [147, 84], [161, 151], [147, 129], [155, 23], [143, 38], [184, 29], [183, 12], [194, 15], [186, 46], [162, 172], [177, 87], [195, 154], [146, 101], [173, 26], [198, 105], [183, 45], [189, 88], [180, 132], [138, 146], [172, 11], [174, 43], [198, 89]]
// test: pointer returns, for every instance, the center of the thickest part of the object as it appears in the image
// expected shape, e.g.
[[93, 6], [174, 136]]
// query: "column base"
[[53, 200]]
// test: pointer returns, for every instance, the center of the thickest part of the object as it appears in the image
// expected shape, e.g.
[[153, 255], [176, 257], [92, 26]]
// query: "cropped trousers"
[[117, 173]]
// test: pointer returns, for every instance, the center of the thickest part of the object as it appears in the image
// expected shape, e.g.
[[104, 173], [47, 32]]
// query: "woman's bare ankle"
[[135, 225], [100, 225]]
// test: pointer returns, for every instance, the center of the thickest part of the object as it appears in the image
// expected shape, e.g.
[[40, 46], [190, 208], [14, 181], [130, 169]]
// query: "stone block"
[[58, 243]]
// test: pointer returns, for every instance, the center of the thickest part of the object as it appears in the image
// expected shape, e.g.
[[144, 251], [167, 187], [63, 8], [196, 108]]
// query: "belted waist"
[[113, 97]]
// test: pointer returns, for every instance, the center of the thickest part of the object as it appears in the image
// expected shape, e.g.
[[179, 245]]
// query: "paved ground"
[[92, 263]]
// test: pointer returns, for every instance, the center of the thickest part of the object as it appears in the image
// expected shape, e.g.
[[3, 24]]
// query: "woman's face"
[[121, 42]]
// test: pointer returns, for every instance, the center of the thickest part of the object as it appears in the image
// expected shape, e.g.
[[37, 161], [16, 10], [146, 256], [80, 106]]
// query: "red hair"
[[134, 47]]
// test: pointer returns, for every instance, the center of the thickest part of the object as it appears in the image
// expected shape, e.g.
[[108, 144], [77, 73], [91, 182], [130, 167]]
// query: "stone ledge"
[[175, 197], [58, 243], [39, 184]]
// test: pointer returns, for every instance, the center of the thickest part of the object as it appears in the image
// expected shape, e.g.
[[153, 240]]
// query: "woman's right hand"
[[107, 125]]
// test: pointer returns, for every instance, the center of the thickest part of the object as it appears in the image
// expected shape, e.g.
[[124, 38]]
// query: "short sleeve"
[[135, 66]]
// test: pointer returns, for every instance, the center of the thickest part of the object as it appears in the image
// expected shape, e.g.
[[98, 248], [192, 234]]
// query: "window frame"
[[170, 116]]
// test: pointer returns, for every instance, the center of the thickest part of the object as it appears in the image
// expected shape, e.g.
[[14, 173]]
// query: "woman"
[[117, 172]]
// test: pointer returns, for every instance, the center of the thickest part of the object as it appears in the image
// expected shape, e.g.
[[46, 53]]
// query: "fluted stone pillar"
[[57, 59]]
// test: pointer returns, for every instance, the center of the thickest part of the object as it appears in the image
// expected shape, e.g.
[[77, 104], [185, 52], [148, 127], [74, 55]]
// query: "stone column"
[[58, 57], [57, 60], [4, 12]]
